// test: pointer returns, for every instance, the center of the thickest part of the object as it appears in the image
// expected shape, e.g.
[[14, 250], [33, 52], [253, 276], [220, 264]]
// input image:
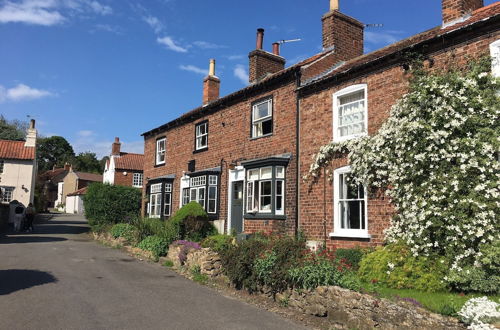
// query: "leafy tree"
[[12, 130], [87, 162], [102, 163], [54, 150]]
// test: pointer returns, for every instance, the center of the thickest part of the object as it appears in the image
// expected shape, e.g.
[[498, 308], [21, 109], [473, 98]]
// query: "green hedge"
[[105, 204]]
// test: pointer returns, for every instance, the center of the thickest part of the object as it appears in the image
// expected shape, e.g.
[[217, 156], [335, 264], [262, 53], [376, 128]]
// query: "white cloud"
[[36, 12], [170, 44], [48, 12], [194, 69], [154, 23], [241, 73], [22, 93], [103, 147], [85, 133], [382, 38], [207, 45]]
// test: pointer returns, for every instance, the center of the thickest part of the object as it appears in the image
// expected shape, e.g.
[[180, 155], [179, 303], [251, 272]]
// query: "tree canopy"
[[54, 150], [12, 129], [87, 162]]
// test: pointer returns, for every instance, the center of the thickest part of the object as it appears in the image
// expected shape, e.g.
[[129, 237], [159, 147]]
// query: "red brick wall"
[[343, 32], [385, 87], [124, 180], [455, 9], [262, 63], [211, 86], [229, 140]]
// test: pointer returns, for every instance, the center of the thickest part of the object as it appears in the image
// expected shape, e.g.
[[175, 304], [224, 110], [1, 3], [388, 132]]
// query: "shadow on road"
[[30, 239], [19, 279]]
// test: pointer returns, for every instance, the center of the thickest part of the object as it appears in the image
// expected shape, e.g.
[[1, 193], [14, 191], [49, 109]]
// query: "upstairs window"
[[201, 138], [262, 118], [137, 180], [6, 194], [266, 190], [495, 58], [161, 146], [350, 205], [350, 112]]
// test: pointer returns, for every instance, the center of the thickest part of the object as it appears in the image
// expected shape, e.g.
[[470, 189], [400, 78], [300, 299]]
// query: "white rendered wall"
[[19, 173]]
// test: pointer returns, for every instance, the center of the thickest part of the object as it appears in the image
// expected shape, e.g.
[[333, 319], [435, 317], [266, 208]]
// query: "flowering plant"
[[478, 312], [437, 158]]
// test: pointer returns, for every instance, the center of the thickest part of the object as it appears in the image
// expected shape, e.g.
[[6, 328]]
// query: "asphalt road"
[[58, 278]]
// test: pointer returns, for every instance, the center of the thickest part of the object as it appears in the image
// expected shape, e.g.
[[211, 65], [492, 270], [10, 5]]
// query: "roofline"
[[492, 24]]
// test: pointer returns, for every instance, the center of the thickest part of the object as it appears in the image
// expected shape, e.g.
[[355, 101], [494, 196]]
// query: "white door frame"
[[238, 174]]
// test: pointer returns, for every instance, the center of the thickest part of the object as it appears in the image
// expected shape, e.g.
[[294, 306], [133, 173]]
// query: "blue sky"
[[90, 70]]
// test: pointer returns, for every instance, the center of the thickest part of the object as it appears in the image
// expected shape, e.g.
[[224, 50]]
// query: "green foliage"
[[105, 204], [168, 230], [198, 276], [124, 230], [396, 267], [192, 221], [483, 277], [87, 162], [155, 244], [238, 263], [218, 242], [168, 263], [271, 268], [54, 150], [352, 256], [12, 130]]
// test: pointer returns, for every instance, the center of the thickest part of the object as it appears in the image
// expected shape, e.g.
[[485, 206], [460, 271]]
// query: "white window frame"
[[344, 92], [257, 122], [212, 199], [137, 180], [253, 189], [157, 205], [199, 136], [167, 199], [495, 58], [10, 191], [161, 151], [342, 232]]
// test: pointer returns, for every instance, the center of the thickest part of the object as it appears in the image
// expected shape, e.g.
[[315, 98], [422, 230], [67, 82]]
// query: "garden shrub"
[[479, 312], [436, 157], [155, 244], [396, 267], [238, 263], [218, 242], [192, 221], [271, 267], [106, 204], [323, 269], [352, 256], [124, 230]]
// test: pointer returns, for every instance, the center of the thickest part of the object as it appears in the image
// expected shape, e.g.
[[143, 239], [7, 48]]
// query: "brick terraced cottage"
[[123, 168], [243, 156]]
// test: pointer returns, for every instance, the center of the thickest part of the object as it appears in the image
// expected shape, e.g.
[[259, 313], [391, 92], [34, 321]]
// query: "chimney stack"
[[211, 85], [67, 167], [115, 147], [31, 135], [262, 63], [455, 11], [342, 33]]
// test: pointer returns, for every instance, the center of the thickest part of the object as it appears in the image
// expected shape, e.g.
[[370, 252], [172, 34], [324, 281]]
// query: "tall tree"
[[87, 162], [12, 129], [54, 150]]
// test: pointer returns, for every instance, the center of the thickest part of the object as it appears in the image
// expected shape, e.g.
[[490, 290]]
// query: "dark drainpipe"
[[297, 150]]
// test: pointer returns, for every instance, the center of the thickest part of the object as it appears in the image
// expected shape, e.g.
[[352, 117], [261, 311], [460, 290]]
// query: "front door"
[[237, 207]]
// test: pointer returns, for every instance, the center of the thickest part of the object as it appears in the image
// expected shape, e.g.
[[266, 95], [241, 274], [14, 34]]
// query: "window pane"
[[265, 203], [261, 110], [279, 197], [212, 192], [212, 180], [265, 188], [351, 113], [280, 172], [201, 196], [266, 173], [211, 206], [193, 194], [253, 175], [250, 204], [267, 127]]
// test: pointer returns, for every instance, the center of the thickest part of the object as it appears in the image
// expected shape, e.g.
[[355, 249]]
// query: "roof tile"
[[16, 150]]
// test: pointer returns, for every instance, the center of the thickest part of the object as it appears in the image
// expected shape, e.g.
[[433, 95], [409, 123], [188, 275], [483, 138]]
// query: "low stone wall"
[[346, 309], [207, 260]]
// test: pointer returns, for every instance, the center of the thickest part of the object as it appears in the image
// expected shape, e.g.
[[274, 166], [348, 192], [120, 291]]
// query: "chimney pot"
[[276, 48], [32, 123], [211, 85], [211, 70], [260, 38], [334, 5]]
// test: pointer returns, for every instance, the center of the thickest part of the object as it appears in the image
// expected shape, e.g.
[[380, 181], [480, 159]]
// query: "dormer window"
[[161, 146]]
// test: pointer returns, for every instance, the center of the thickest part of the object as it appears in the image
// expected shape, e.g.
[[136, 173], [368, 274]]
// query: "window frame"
[[254, 182], [342, 93], [338, 231], [196, 136], [167, 199], [270, 117], [141, 180], [2, 195], [203, 183], [495, 58], [158, 151]]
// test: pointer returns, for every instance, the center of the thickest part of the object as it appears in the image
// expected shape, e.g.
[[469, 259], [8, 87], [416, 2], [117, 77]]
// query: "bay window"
[[204, 190], [155, 200], [167, 200], [265, 191]]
